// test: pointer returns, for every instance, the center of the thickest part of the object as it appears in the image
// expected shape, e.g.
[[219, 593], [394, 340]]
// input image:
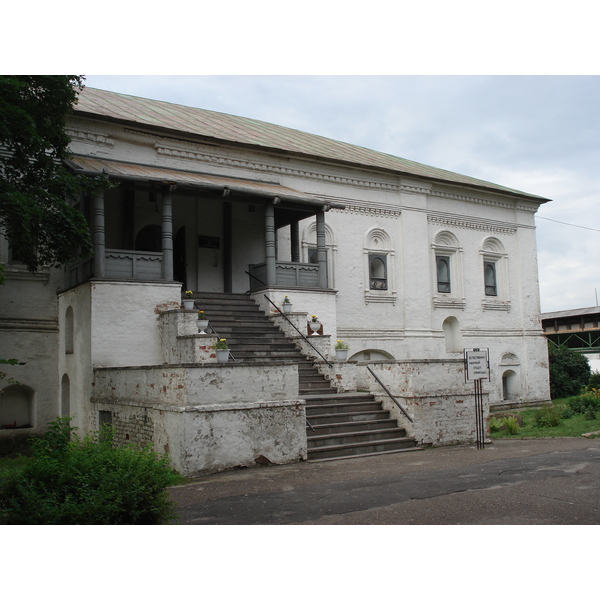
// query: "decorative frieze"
[[497, 227], [92, 137]]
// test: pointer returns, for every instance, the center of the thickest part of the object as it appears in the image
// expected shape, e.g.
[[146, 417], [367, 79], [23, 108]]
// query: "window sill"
[[380, 296], [449, 302], [489, 304]]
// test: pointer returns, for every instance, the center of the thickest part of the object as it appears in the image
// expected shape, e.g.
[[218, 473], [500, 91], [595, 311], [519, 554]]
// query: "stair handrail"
[[389, 393], [303, 336]]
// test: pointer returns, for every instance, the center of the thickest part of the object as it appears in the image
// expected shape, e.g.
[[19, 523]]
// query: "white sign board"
[[477, 364]]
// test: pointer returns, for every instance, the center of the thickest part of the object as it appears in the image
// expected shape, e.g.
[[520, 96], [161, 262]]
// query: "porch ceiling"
[[225, 185]]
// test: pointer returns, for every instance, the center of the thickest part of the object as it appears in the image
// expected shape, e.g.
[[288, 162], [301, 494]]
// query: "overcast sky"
[[538, 134]]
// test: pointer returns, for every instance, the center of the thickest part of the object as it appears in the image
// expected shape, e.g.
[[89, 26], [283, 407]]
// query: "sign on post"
[[477, 364], [477, 368]]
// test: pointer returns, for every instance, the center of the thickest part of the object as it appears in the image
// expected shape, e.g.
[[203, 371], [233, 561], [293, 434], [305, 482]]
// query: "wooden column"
[[167, 232], [98, 235], [321, 250], [271, 253]]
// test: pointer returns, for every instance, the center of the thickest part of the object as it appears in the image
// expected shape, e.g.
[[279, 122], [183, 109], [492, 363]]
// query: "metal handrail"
[[389, 393], [303, 336]]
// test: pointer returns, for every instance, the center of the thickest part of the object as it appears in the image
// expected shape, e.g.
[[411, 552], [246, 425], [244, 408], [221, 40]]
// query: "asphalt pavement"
[[550, 481]]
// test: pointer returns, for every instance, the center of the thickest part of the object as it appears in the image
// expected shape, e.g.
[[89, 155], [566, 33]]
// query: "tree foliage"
[[569, 371], [36, 190]]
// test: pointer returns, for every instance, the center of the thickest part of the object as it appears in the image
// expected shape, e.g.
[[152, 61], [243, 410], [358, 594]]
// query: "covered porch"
[[208, 232]]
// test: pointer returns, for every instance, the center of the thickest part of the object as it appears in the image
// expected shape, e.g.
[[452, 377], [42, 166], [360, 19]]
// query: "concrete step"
[[333, 429], [361, 448], [353, 437], [366, 454], [338, 408], [355, 417]]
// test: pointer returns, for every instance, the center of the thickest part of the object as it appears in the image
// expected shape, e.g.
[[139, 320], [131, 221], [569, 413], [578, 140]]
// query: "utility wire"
[[570, 224]]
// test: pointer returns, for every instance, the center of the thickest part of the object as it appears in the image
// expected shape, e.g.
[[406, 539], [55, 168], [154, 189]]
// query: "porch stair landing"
[[339, 425]]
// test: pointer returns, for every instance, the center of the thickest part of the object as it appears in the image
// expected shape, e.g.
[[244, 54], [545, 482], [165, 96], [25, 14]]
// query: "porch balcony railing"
[[287, 274], [119, 264]]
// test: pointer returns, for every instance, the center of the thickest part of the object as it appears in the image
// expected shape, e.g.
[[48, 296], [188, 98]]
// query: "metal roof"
[[575, 312], [128, 171], [216, 126]]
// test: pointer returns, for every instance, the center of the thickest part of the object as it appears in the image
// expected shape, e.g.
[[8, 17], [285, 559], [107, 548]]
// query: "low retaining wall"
[[206, 417]]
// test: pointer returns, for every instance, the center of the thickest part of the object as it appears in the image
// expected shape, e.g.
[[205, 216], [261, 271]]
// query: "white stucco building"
[[407, 263]]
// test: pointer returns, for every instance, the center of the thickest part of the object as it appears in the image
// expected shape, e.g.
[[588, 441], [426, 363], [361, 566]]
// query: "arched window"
[[378, 271], [69, 329], [65, 396], [379, 254], [16, 407], [510, 386], [452, 335], [448, 283], [495, 274], [149, 239]]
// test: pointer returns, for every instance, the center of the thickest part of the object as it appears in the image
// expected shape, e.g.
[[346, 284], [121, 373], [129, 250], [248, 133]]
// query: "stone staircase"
[[339, 425]]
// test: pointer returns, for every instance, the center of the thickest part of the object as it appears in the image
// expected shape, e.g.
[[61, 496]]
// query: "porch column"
[[271, 254], [98, 235], [295, 241], [167, 232], [321, 250]]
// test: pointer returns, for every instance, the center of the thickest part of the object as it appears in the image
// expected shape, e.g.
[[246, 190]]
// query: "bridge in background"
[[579, 329]]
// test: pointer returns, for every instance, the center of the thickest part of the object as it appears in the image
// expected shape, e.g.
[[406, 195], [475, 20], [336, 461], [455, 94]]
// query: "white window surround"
[[492, 251], [446, 244], [378, 243]]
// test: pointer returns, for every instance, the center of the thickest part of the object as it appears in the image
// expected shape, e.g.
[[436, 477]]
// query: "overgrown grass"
[[571, 425]]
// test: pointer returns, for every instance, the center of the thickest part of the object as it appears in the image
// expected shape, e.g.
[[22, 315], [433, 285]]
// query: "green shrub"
[[72, 481], [549, 417], [495, 424], [586, 403], [569, 371], [594, 380], [511, 425]]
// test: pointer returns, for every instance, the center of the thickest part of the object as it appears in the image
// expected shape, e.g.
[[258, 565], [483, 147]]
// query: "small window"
[[378, 271], [489, 275], [443, 274]]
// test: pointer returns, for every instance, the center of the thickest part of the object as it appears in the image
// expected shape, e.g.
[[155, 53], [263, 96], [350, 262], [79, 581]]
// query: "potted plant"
[[314, 324], [188, 301], [341, 350], [287, 306], [222, 350], [202, 322]]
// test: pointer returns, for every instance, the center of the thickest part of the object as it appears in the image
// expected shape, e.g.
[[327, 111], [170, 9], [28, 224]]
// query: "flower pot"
[[202, 324], [314, 326], [287, 308], [188, 304], [222, 355], [341, 355]]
